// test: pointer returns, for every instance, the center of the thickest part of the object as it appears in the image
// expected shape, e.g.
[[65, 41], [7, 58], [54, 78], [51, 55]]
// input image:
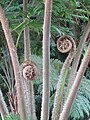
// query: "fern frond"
[[12, 117], [81, 105]]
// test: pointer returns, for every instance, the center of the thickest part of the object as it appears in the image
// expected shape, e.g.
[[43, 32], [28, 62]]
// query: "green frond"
[[12, 117], [81, 105]]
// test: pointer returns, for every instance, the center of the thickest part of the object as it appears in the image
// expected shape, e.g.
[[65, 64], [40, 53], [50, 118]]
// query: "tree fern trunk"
[[75, 86], [15, 63], [3, 107], [46, 60]]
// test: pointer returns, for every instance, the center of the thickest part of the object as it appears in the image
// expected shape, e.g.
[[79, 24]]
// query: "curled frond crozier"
[[30, 70], [64, 44]]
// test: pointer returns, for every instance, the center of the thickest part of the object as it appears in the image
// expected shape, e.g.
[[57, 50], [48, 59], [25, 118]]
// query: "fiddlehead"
[[30, 70], [64, 44]]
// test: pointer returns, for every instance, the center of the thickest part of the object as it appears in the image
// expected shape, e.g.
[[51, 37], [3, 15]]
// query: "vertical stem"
[[28, 85], [15, 63], [3, 106], [27, 51], [46, 60], [75, 86]]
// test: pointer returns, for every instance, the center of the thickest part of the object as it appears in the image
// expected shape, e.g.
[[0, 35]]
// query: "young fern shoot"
[[75, 86], [64, 44], [29, 72]]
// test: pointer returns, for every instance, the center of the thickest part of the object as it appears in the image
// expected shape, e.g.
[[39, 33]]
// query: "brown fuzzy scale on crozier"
[[64, 44], [30, 70]]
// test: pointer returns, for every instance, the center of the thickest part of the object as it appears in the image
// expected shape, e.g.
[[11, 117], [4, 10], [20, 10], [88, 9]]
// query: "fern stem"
[[77, 57], [29, 101], [15, 63], [27, 49], [28, 89], [61, 82], [75, 86], [3, 107], [46, 60]]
